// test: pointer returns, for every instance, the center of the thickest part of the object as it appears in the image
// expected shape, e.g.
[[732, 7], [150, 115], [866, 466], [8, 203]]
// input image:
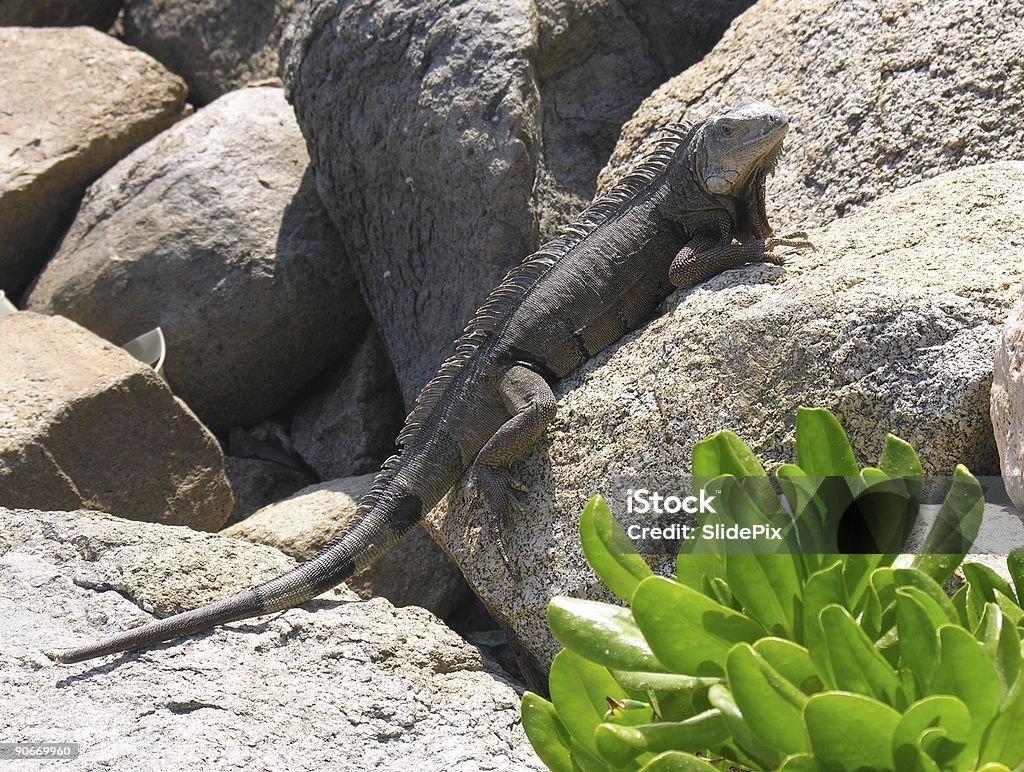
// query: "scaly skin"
[[694, 209]]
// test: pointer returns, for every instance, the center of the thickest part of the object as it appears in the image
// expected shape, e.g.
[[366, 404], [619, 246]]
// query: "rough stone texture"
[[59, 13], [891, 323], [449, 138], [882, 93], [349, 426], [346, 685], [1007, 402], [256, 483], [414, 573], [83, 424], [74, 102], [219, 237], [217, 45]]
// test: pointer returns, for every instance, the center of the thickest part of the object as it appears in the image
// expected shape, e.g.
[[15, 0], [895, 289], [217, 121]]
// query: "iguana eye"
[[727, 129]]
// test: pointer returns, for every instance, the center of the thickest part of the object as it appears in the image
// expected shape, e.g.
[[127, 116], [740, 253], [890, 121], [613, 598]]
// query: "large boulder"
[[450, 138], [1007, 402], [348, 427], [415, 573], [891, 323], [214, 231], [59, 13], [881, 95], [83, 424], [217, 45], [74, 102], [337, 683]]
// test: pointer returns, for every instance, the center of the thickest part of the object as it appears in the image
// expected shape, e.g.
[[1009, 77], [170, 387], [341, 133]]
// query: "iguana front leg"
[[704, 256], [530, 402]]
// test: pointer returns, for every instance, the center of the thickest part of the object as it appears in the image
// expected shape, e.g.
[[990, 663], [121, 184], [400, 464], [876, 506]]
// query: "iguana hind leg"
[[531, 405]]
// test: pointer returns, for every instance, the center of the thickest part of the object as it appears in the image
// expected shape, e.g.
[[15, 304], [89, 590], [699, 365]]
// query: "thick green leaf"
[[602, 633], [693, 568], [580, 690], [770, 704], [918, 619], [765, 754], [1001, 639], [696, 734], [769, 589], [1004, 741], [585, 759], [688, 632], [899, 459], [822, 448], [987, 582], [959, 601], [793, 662], [912, 577], [724, 453], [856, 665], [966, 672], [824, 588], [1015, 565], [943, 712], [677, 761], [857, 571], [956, 525], [1010, 609], [938, 566], [548, 737], [629, 712], [851, 731], [808, 513], [637, 681], [609, 551]]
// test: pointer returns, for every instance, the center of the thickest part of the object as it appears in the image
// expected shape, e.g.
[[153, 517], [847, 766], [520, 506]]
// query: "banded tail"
[[387, 518]]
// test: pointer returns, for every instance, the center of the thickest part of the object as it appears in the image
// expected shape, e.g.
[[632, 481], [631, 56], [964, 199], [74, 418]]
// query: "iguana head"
[[734, 144]]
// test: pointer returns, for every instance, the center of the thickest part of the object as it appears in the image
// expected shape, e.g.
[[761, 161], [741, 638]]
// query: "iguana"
[[693, 208]]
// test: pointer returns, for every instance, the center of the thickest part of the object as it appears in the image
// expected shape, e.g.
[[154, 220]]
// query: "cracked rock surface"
[[337, 684]]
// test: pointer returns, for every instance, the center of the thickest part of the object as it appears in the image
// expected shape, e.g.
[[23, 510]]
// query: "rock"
[[217, 45], [349, 426], [256, 483], [449, 139], [220, 239], [414, 573], [74, 102], [1007, 402], [257, 693], [881, 95], [891, 324], [59, 13], [82, 424]]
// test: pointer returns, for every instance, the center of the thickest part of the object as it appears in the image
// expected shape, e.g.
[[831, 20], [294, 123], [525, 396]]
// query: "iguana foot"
[[498, 491], [797, 240]]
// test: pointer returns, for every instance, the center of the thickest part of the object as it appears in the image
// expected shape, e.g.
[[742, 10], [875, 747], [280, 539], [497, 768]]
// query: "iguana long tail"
[[387, 521]]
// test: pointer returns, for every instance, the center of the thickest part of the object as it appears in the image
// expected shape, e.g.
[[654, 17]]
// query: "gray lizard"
[[694, 208]]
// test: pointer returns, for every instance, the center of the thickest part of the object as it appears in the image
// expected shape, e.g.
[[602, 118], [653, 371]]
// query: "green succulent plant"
[[794, 660]]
